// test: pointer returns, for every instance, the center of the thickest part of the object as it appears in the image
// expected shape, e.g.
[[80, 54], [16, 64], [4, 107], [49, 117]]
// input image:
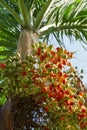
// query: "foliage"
[[9, 33], [49, 18], [2, 99], [49, 77]]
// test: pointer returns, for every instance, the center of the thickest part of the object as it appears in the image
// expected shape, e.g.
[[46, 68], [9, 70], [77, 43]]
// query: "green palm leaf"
[[49, 18], [13, 12], [9, 33], [67, 19]]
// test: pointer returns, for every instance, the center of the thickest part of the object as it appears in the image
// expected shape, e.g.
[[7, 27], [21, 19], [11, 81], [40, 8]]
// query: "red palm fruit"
[[60, 74], [81, 93], [44, 71], [58, 49], [55, 90], [62, 118], [51, 86], [54, 95], [38, 51], [63, 81], [60, 95], [50, 94], [53, 53], [83, 125], [65, 51], [70, 108], [32, 71], [23, 73], [60, 66], [44, 89], [70, 55], [65, 75], [69, 64], [2, 66], [71, 96], [81, 115], [71, 103], [52, 75], [83, 108], [59, 87], [54, 61], [36, 75], [67, 92], [43, 99], [39, 102], [46, 109], [45, 54], [67, 102], [59, 59], [64, 62], [42, 57], [80, 104], [47, 66]]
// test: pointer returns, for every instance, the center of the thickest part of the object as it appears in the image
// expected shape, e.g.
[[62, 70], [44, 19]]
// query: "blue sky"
[[80, 56]]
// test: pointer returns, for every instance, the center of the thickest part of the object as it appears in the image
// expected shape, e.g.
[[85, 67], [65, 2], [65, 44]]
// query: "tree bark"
[[6, 116], [26, 39]]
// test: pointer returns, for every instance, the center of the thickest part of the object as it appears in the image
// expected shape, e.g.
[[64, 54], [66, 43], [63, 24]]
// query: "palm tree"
[[35, 20], [24, 22]]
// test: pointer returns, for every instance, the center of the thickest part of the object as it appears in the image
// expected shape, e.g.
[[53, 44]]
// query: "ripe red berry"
[[2, 66], [43, 99], [63, 81], [60, 74], [80, 104], [46, 109], [38, 51], [83, 108], [44, 89], [23, 73], [81, 115], [58, 48], [64, 62], [67, 92], [52, 75], [59, 59], [60, 66], [42, 57], [80, 93], [53, 53], [47, 66]]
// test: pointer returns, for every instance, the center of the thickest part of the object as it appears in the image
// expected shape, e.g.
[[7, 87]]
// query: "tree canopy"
[[49, 18]]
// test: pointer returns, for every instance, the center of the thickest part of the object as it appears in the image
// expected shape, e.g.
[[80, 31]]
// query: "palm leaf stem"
[[41, 14], [55, 29], [24, 13]]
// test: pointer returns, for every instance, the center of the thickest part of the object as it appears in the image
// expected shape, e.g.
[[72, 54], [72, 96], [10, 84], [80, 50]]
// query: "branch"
[[50, 29]]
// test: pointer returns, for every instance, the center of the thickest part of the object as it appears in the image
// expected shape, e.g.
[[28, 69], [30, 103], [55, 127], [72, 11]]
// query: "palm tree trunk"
[[26, 39]]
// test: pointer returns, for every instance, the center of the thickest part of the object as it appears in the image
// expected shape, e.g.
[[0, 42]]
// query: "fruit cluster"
[[50, 77]]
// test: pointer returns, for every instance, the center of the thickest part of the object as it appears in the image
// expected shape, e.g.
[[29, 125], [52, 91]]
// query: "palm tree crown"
[[43, 19]]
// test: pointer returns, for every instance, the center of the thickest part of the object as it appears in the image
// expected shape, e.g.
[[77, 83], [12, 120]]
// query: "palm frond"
[[42, 13], [12, 11], [68, 19], [49, 18], [9, 33]]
